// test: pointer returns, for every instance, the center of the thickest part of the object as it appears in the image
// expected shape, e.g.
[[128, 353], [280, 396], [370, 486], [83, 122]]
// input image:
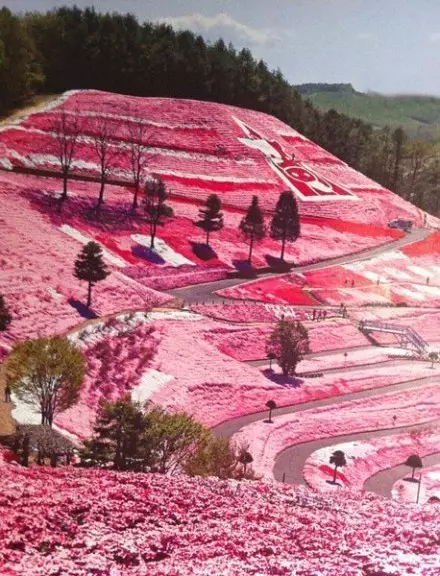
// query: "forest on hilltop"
[[70, 48]]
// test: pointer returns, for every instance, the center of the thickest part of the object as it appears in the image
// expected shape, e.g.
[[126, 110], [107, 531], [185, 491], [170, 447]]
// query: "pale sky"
[[389, 46]]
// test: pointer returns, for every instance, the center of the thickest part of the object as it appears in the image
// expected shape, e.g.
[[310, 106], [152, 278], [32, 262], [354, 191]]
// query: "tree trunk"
[[250, 250], [283, 246], [65, 176], [413, 473], [334, 474], [207, 238], [270, 414], [101, 194], [53, 459], [135, 197], [89, 295], [153, 235]]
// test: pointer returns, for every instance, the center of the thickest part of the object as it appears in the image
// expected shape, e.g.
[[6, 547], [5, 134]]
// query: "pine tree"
[[211, 218], [155, 206], [252, 225], [91, 267], [285, 225], [5, 317]]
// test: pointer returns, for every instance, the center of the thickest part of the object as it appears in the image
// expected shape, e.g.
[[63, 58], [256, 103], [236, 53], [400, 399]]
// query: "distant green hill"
[[418, 115]]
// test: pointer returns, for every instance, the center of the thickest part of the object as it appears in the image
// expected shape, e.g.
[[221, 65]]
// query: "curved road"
[[205, 292], [231, 427], [291, 461], [383, 481]]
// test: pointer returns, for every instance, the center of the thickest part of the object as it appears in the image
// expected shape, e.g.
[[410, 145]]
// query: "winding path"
[[206, 292], [382, 482]]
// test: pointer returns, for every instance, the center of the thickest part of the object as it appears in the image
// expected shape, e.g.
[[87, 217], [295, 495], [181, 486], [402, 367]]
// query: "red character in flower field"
[[300, 178]]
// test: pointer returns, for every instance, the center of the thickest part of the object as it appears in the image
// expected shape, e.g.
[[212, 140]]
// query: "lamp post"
[[418, 488]]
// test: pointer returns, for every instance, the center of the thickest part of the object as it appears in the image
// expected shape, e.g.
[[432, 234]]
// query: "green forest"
[[72, 48], [418, 115]]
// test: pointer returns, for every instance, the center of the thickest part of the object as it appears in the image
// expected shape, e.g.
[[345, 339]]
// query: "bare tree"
[[106, 151], [138, 151], [66, 129]]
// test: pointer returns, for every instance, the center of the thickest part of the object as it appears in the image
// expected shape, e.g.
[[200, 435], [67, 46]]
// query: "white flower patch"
[[55, 295], [73, 233], [408, 293], [433, 291], [209, 178], [162, 249], [151, 381], [421, 271], [175, 315], [399, 274], [23, 413]]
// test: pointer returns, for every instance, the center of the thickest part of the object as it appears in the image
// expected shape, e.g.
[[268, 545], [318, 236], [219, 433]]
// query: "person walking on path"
[[7, 393]]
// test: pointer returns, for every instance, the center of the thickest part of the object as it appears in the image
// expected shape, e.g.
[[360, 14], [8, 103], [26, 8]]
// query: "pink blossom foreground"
[[92, 522], [365, 458], [413, 406]]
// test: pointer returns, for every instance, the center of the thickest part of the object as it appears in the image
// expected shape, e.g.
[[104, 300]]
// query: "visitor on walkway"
[[7, 393]]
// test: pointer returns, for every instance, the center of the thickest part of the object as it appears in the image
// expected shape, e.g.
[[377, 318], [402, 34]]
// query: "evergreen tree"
[[5, 317], [156, 209], [46, 374], [211, 218], [117, 438], [288, 342], [252, 225], [285, 225], [91, 267]]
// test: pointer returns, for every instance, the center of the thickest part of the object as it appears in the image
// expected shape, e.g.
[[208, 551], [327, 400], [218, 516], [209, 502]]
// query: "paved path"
[[382, 482], [231, 427], [291, 461], [265, 361], [206, 292]]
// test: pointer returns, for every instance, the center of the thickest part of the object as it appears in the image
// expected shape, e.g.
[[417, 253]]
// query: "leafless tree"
[[66, 128], [106, 151], [138, 152]]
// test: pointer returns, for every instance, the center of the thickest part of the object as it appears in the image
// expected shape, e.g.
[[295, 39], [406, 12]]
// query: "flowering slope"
[[201, 147], [84, 522]]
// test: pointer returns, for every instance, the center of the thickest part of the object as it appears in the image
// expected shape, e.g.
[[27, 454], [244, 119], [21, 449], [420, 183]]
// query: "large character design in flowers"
[[301, 179]]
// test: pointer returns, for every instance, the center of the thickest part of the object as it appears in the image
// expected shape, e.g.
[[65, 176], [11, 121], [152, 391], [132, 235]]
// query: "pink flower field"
[[194, 350], [249, 343], [65, 519], [209, 147]]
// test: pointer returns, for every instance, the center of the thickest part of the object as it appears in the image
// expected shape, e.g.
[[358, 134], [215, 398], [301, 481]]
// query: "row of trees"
[[72, 48]]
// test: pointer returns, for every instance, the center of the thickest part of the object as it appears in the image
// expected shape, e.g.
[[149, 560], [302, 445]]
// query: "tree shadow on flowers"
[[203, 251], [82, 309], [146, 254], [244, 268], [286, 381], [277, 264]]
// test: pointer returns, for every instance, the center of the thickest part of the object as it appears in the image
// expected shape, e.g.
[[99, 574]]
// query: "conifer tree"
[[211, 218], [91, 267], [252, 225], [5, 317], [155, 206], [285, 225]]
